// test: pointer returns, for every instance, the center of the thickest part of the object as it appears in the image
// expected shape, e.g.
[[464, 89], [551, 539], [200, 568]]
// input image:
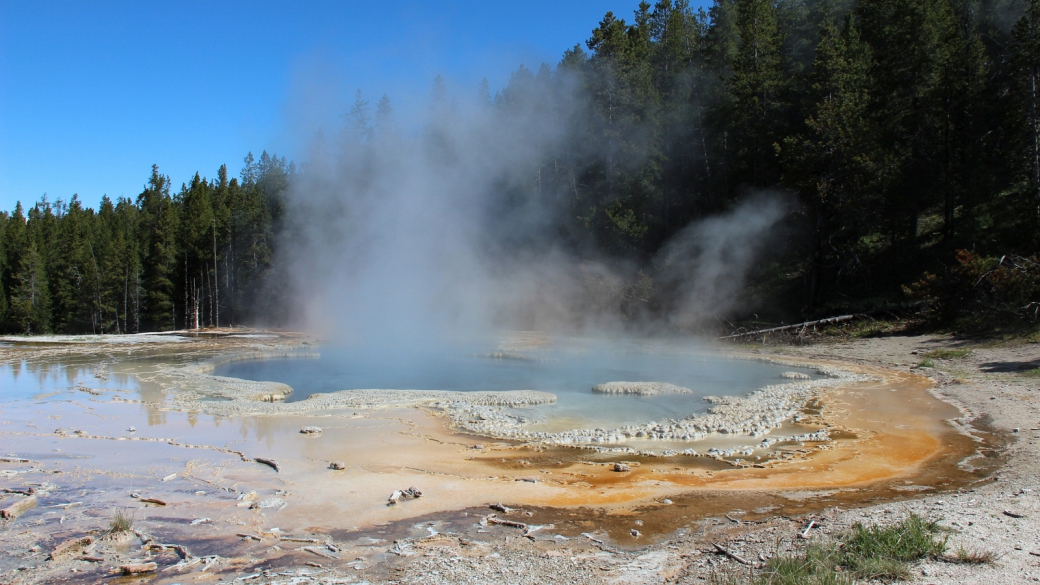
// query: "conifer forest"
[[903, 135]]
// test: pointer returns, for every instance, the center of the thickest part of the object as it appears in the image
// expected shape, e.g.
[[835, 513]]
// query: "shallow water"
[[568, 369], [29, 380]]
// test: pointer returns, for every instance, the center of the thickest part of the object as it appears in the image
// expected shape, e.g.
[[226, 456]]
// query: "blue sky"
[[93, 93]]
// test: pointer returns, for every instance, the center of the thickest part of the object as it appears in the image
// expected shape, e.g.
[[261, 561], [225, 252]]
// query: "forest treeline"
[[906, 134], [196, 258]]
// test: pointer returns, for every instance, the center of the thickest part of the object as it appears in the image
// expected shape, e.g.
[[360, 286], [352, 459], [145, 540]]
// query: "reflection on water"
[[569, 372], [23, 380]]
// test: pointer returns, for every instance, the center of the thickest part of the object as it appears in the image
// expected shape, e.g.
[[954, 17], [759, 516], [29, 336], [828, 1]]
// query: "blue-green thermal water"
[[570, 373]]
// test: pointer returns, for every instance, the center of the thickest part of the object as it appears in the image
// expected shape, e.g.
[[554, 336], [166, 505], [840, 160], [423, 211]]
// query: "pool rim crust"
[[481, 413]]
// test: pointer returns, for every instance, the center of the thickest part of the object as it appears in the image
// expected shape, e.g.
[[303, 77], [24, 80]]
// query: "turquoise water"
[[569, 371]]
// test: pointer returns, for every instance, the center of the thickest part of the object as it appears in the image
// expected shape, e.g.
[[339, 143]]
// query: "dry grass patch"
[[121, 523], [975, 556]]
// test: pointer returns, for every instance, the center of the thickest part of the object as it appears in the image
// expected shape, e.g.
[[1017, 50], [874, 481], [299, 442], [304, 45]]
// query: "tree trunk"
[[216, 280]]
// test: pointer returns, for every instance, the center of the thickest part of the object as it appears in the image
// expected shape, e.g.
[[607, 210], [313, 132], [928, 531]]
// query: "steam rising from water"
[[708, 260], [404, 238]]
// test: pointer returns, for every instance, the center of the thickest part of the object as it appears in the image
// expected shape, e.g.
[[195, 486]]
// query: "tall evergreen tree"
[[158, 229], [833, 161], [1026, 62], [756, 87], [30, 299]]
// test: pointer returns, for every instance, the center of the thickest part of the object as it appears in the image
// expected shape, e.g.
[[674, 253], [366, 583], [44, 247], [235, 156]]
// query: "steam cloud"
[[399, 237], [708, 261]]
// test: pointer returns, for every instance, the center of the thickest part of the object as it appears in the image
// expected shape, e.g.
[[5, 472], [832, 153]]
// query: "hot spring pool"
[[567, 370]]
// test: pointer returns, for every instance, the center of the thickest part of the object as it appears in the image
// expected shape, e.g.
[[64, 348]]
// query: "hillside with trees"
[[904, 133]]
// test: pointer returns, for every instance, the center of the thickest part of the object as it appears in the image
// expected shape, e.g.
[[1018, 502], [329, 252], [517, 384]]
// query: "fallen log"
[[494, 519], [181, 550], [185, 564], [317, 551], [592, 538], [14, 460], [145, 500], [18, 508], [268, 462], [138, 568], [731, 554], [806, 324], [72, 547]]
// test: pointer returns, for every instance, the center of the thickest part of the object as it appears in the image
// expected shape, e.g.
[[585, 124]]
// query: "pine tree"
[[755, 88], [69, 267], [5, 221], [1026, 60], [623, 123], [30, 299], [384, 116], [196, 252], [106, 254], [833, 161], [359, 120], [158, 228], [911, 43]]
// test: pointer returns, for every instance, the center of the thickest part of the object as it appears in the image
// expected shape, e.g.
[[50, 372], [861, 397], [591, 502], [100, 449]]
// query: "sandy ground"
[[243, 521]]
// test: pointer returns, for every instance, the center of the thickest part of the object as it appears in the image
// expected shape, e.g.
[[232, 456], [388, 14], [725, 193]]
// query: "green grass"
[[121, 522], [947, 354], [885, 552], [862, 553], [818, 566], [926, 363]]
